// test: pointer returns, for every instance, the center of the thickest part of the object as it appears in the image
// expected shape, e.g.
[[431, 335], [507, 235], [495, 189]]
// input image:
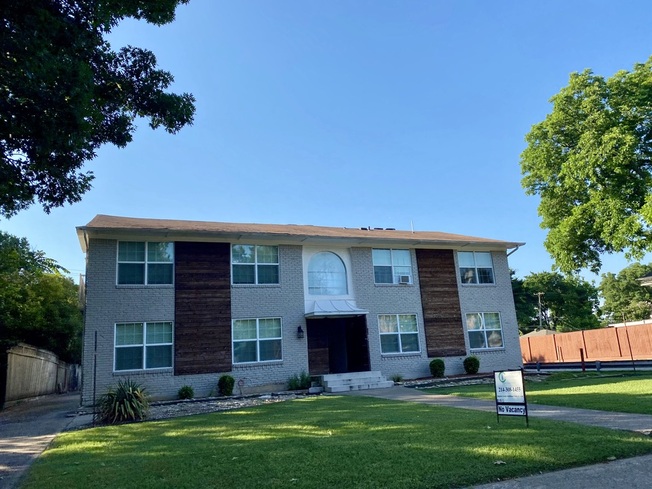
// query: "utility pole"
[[539, 294]]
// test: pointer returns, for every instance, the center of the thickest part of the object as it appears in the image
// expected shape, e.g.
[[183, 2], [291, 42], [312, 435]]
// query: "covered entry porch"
[[337, 345]]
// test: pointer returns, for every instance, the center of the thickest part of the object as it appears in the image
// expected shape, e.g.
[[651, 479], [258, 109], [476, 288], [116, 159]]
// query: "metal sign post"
[[510, 394]]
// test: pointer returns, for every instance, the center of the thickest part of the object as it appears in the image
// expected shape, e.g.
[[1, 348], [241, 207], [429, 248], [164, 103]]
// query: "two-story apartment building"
[[174, 303]]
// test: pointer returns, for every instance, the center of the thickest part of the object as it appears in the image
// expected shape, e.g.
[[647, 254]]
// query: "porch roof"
[[333, 308]]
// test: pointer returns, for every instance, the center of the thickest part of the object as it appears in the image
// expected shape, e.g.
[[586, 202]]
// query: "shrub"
[[305, 379], [302, 381], [471, 364], [437, 367], [225, 385], [126, 402], [186, 392], [396, 378]]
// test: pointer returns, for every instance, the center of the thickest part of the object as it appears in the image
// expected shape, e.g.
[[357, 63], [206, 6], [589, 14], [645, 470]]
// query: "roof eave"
[[85, 232]]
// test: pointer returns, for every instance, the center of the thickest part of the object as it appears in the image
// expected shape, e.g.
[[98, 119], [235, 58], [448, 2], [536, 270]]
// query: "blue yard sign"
[[510, 394]]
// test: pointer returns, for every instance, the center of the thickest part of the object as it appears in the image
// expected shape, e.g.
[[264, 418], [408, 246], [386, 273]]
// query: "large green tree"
[[568, 303], [64, 92], [590, 163], [625, 299], [525, 302], [38, 304]]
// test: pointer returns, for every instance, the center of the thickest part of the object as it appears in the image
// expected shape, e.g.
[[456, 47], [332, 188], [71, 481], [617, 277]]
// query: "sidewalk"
[[641, 423], [26, 430], [632, 473]]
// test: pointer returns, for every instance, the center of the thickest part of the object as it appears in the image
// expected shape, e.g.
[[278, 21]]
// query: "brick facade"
[[202, 304]]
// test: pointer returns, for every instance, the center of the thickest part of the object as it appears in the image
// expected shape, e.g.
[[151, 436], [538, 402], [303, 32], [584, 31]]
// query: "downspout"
[[514, 250]]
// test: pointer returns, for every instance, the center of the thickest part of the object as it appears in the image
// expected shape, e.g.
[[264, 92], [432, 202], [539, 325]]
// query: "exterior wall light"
[[300, 333]]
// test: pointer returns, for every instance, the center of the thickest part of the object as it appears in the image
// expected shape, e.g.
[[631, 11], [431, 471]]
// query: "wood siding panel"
[[318, 350], [202, 333], [442, 316]]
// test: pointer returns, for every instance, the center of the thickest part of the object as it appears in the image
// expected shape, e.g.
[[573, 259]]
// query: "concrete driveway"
[[27, 428]]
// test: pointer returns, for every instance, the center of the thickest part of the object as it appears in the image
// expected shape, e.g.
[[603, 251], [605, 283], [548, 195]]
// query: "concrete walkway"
[[26, 430], [632, 473], [641, 423]]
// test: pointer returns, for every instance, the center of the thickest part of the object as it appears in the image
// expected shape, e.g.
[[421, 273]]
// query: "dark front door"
[[337, 345]]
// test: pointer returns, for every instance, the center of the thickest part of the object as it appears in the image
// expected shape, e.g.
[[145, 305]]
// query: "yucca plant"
[[126, 402]]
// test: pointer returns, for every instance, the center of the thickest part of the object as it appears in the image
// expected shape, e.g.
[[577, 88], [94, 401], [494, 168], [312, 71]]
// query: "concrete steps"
[[354, 381]]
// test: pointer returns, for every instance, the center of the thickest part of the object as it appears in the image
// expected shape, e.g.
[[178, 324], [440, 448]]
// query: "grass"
[[324, 442], [618, 392]]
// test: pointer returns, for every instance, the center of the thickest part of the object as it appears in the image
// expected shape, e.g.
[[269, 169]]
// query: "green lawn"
[[625, 392], [324, 442]]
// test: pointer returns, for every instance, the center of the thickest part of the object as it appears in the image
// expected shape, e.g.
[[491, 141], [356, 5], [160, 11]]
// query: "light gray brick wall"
[[495, 297], [286, 301], [108, 304], [389, 299]]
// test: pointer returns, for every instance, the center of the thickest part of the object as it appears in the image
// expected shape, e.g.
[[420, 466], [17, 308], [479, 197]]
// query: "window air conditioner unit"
[[403, 279]]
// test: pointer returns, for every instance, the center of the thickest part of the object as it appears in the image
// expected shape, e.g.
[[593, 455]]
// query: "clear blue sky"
[[353, 113]]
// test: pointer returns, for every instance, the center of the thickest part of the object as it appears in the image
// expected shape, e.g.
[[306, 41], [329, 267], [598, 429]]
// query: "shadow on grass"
[[324, 442]]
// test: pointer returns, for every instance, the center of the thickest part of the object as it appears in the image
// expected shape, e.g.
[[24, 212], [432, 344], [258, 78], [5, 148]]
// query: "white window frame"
[[314, 289], [142, 345], [256, 264], [395, 276], [485, 332], [145, 264], [399, 333], [257, 340], [475, 268]]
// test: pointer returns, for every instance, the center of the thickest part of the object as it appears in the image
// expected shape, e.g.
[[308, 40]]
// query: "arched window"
[[327, 275]]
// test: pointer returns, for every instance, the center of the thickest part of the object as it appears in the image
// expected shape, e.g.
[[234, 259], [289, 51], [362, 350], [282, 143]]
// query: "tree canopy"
[[567, 303], [625, 299], [64, 92], [38, 304], [525, 303], [590, 163]]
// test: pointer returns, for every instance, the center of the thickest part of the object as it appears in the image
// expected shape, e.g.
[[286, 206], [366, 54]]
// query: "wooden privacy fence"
[[26, 371], [623, 343]]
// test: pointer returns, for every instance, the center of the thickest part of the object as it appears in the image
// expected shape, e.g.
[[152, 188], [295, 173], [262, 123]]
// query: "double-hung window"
[[398, 333], [476, 267], [257, 340], [145, 263], [392, 266], [252, 264], [143, 346], [485, 330]]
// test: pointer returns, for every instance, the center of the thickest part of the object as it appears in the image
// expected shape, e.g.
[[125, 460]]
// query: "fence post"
[[620, 350], [631, 355]]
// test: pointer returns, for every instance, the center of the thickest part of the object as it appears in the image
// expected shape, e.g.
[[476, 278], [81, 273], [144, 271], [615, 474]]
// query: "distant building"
[[646, 280]]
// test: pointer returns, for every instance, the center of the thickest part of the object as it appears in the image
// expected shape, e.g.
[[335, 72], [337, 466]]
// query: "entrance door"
[[337, 345]]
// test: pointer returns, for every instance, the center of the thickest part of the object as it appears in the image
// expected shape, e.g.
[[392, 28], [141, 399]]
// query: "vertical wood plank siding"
[[442, 316], [202, 332]]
